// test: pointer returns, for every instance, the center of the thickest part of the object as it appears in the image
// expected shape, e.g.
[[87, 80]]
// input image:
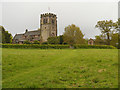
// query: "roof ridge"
[[33, 31], [19, 34]]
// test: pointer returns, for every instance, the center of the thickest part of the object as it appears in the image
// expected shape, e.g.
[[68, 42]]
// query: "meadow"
[[59, 68]]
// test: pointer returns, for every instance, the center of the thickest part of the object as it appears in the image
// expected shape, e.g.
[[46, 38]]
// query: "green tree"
[[73, 35], [117, 25], [36, 42], [6, 36], [100, 40], [61, 39], [114, 39], [106, 27], [118, 30], [53, 40]]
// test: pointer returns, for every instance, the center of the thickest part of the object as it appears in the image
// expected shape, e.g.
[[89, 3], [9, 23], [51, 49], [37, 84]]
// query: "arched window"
[[52, 21], [45, 21]]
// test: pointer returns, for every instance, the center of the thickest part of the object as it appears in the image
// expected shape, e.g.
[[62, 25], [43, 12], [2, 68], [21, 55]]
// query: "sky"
[[18, 16]]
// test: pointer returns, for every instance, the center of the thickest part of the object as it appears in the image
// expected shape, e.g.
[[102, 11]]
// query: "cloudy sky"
[[17, 16]]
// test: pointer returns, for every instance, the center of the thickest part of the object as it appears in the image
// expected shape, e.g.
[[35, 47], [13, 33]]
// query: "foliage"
[[106, 28], [36, 42], [27, 42], [114, 40], [77, 46], [56, 46], [100, 40], [61, 39], [117, 25], [73, 35], [44, 42], [34, 46], [6, 36], [53, 40], [58, 68], [56, 40]]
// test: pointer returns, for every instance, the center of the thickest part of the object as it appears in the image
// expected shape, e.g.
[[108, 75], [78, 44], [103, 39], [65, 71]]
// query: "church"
[[48, 28]]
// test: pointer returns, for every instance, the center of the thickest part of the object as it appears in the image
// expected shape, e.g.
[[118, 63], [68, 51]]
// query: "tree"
[[73, 35], [61, 39], [53, 40], [6, 36], [100, 40], [36, 42], [117, 25], [118, 30], [114, 39], [106, 27]]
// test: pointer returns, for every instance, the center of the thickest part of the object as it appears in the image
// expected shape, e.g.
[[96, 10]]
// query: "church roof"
[[18, 36], [29, 34], [36, 32]]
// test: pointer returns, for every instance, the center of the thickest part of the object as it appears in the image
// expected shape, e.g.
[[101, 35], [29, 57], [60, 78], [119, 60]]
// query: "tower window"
[[45, 27], [52, 21], [45, 21]]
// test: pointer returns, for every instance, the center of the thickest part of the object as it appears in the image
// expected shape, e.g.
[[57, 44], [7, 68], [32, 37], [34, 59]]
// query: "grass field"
[[65, 68]]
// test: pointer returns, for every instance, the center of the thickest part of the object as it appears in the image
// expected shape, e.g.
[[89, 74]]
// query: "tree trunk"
[[108, 39]]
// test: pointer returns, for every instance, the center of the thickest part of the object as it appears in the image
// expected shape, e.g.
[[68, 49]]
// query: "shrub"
[[53, 40], [26, 42], [36, 42], [49, 46], [94, 46], [35, 46], [45, 43]]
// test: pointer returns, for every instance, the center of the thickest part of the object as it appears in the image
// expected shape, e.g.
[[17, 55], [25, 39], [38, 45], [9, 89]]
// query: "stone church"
[[48, 28]]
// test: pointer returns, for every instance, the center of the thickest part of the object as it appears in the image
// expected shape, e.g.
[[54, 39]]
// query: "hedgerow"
[[34, 46], [49, 46], [94, 46]]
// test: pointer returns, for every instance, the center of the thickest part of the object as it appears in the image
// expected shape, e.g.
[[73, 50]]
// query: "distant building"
[[48, 28], [90, 42]]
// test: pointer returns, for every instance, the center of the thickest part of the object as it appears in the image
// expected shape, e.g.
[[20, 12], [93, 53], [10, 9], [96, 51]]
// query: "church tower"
[[48, 26]]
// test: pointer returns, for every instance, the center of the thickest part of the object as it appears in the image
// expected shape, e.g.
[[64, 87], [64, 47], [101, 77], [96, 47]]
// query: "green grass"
[[60, 68]]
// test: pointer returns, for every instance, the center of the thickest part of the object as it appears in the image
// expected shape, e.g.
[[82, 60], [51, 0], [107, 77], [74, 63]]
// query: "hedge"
[[34, 46], [56, 46], [94, 46]]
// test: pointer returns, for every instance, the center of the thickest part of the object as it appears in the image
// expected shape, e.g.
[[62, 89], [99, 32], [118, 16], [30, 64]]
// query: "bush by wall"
[[56, 46]]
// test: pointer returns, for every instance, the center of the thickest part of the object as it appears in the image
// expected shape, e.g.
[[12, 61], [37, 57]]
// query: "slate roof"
[[29, 35], [36, 32], [18, 36]]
